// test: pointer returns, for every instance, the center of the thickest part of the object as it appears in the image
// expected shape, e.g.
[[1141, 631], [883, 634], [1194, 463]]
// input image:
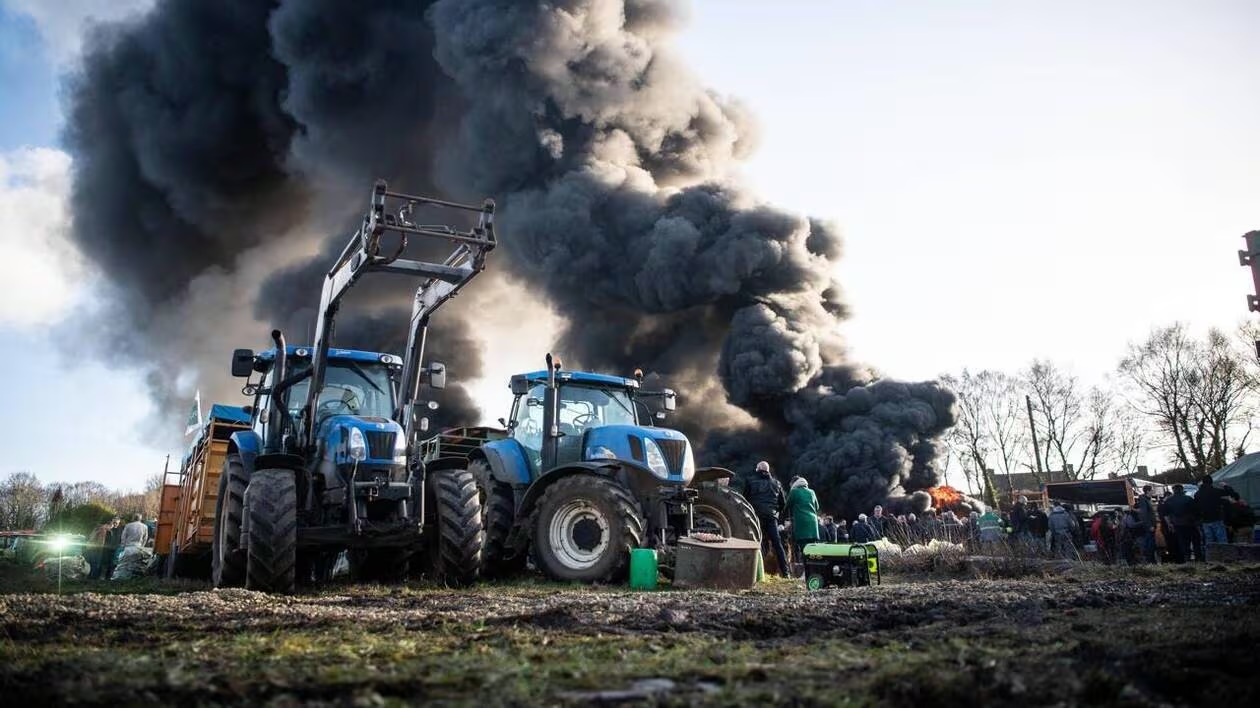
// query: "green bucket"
[[643, 569]]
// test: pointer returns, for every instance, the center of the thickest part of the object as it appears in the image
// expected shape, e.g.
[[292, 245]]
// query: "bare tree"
[[989, 431], [23, 502], [1084, 431], [1200, 394]]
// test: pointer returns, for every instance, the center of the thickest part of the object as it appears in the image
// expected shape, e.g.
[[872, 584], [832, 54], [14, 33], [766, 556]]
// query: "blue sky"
[[1014, 179]]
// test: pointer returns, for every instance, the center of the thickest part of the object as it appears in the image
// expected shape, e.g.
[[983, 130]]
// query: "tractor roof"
[[581, 377], [304, 352]]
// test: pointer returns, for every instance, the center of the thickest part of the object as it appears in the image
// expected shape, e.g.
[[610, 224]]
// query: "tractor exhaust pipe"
[[275, 426]]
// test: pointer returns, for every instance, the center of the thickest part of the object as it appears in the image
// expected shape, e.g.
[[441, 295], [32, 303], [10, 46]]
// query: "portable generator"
[[840, 565]]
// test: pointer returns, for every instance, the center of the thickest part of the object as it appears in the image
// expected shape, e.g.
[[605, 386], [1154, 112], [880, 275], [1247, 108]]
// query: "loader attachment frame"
[[395, 212]]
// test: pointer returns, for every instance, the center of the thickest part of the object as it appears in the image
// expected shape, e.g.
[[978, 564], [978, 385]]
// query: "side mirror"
[[242, 363], [437, 375], [520, 386], [670, 403]]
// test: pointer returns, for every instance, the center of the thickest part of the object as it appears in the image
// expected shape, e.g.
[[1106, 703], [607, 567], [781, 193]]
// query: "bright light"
[[59, 543]]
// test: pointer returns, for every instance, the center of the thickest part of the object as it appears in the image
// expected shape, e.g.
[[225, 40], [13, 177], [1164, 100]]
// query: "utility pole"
[[1250, 258], [1032, 425]]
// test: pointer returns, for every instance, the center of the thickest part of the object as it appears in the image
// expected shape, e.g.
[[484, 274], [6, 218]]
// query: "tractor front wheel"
[[227, 561], [722, 510], [584, 528], [270, 536]]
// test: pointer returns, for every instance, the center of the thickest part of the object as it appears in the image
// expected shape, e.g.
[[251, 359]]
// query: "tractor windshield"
[[350, 388], [582, 407]]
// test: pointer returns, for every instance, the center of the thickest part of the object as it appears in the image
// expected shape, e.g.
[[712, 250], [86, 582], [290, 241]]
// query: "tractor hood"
[[667, 453], [379, 435]]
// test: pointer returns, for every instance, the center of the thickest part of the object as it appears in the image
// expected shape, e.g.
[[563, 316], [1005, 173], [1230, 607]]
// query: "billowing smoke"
[[212, 140], [612, 164], [222, 152]]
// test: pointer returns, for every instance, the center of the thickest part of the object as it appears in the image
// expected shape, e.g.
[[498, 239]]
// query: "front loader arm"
[[441, 280]]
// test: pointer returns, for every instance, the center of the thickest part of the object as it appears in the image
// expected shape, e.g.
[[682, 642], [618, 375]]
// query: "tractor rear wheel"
[[722, 510], [270, 536], [227, 561], [498, 516], [453, 534], [584, 528]]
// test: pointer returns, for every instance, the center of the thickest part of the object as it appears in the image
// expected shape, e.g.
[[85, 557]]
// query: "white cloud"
[[61, 22], [40, 265]]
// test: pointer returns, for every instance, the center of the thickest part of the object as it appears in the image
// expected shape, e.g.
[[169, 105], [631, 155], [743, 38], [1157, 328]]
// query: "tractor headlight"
[[688, 466], [400, 448], [599, 452], [655, 459], [356, 445]]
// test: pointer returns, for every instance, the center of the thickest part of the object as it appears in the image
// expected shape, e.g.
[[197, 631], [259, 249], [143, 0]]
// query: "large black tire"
[[227, 558], [722, 510], [583, 529], [453, 534], [270, 537], [498, 517], [380, 565]]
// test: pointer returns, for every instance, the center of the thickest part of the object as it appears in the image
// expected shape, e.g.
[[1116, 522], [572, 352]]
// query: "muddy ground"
[[1154, 636]]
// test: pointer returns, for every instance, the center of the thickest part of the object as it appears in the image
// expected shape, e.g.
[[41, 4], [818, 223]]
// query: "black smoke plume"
[[212, 139]]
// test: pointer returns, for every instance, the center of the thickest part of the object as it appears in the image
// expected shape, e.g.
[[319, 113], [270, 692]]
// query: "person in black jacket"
[[1182, 513], [1210, 501], [765, 494], [828, 529], [861, 531]]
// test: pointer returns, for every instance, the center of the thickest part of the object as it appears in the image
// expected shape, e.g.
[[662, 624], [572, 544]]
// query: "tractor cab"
[[594, 417], [354, 408]]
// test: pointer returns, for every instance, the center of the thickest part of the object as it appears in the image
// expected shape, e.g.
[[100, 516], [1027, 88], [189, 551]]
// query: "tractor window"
[[528, 430], [350, 388], [583, 407]]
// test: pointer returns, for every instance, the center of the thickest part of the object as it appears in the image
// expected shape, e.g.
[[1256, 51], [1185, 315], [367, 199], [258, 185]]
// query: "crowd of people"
[[1173, 528], [108, 542]]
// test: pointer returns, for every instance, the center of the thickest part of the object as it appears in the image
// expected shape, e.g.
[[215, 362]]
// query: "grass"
[[1079, 637]]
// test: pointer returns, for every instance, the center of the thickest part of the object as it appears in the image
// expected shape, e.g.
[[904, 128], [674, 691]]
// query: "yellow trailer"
[[186, 518]]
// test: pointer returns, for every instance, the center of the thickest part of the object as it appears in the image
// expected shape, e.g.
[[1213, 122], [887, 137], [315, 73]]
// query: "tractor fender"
[[248, 445], [507, 460], [711, 474]]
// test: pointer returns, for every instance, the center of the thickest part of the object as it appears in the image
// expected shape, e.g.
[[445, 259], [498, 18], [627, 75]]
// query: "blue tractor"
[[580, 475], [329, 464]]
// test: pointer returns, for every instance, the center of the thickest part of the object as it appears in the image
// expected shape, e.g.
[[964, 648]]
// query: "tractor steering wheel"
[[582, 420], [332, 405]]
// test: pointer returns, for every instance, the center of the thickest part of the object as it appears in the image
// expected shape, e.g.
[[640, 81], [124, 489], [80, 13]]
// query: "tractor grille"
[[380, 444], [673, 451]]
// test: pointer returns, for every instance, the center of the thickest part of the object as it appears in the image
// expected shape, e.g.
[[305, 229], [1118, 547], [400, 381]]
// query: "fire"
[[945, 497]]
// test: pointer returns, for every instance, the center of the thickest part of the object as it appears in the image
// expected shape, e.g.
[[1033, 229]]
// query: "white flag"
[[194, 416]]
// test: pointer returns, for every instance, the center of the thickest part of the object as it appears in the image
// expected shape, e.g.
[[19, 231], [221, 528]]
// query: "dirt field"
[[1173, 635]]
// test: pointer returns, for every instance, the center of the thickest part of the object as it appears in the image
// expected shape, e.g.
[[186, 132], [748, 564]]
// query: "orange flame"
[[945, 497]]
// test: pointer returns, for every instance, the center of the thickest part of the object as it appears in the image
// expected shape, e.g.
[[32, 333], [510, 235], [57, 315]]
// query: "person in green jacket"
[[802, 504]]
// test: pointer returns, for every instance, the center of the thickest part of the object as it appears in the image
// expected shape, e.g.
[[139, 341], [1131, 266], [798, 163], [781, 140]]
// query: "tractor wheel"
[[722, 510], [227, 560], [270, 537], [498, 515], [453, 531], [380, 565], [584, 528]]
